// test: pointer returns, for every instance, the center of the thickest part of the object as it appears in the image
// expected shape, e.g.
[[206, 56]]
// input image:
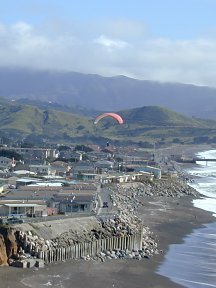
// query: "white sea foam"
[[206, 183], [193, 263], [208, 204], [197, 283]]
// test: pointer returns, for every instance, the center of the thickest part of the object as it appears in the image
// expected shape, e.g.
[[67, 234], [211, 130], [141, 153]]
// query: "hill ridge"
[[92, 91]]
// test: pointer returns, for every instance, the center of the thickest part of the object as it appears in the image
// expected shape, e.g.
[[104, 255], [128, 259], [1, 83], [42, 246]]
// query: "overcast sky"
[[165, 40]]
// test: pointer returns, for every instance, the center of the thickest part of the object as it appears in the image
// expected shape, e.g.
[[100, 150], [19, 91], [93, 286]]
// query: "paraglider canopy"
[[113, 115]]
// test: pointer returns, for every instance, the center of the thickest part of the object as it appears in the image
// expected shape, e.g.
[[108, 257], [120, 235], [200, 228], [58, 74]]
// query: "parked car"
[[11, 220], [15, 220]]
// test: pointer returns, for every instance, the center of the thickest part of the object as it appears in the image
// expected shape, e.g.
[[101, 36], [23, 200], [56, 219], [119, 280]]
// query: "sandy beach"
[[170, 220]]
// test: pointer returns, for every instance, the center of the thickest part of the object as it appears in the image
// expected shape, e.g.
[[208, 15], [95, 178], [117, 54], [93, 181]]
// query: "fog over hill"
[[106, 93]]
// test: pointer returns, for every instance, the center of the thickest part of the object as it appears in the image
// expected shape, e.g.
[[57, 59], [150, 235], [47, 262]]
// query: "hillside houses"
[[38, 199], [60, 168], [19, 208], [63, 187], [74, 203], [40, 169], [5, 163], [83, 166], [126, 177]]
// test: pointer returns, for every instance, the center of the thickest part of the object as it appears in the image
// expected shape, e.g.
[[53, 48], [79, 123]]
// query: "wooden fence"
[[132, 242]]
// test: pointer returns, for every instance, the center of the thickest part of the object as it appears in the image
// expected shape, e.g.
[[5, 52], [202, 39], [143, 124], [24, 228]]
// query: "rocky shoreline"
[[166, 211], [127, 199]]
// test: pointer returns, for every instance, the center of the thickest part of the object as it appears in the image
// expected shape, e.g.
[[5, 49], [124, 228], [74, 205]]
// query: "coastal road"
[[104, 195]]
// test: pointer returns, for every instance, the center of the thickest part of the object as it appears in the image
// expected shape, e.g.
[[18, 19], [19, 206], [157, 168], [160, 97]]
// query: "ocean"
[[193, 263]]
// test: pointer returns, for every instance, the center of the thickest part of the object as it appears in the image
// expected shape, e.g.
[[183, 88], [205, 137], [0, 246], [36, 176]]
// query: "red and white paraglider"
[[113, 115]]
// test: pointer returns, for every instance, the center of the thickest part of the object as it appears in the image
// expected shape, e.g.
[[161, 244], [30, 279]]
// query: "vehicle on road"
[[105, 205], [11, 220]]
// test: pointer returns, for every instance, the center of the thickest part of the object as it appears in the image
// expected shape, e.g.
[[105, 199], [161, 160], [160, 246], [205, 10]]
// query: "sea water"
[[193, 263]]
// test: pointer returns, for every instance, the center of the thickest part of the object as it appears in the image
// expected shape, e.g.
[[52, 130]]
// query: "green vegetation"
[[142, 125], [10, 154]]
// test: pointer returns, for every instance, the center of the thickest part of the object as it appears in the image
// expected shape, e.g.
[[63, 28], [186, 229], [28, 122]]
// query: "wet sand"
[[170, 219]]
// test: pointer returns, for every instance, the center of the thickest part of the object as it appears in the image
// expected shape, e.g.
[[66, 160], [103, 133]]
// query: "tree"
[[83, 148], [176, 140], [11, 154], [201, 139], [64, 148], [27, 145]]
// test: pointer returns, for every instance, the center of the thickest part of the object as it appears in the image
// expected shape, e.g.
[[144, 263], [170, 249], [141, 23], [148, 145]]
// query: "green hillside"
[[141, 124], [154, 123], [153, 115], [26, 120]]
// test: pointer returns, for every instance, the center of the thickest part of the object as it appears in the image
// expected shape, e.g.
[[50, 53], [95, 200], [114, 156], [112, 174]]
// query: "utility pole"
[[71, 203]]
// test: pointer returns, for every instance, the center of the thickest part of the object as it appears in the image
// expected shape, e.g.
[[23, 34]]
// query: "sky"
[[160, 40]]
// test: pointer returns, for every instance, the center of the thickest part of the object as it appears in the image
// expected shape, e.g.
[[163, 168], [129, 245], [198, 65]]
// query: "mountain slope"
[[141, 124], [26, 120], [154, 115], [106, 93], [152, 122]]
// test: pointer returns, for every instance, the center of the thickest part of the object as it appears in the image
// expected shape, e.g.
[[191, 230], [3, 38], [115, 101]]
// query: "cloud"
[[22, 28], [123, 28], [110, 43], [140, 55]]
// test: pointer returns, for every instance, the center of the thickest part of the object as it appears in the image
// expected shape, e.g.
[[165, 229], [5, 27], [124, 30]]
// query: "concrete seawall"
[[61, 240], [52, 229], [132, 242]]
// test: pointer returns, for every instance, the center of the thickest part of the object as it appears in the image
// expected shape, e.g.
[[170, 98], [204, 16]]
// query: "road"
[[104, 196]]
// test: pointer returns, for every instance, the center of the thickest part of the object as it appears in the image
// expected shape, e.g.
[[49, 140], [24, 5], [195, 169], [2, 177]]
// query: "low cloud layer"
[[120, 49]]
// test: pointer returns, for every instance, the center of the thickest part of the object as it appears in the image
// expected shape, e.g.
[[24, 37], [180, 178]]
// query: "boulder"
[[3, 253]]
